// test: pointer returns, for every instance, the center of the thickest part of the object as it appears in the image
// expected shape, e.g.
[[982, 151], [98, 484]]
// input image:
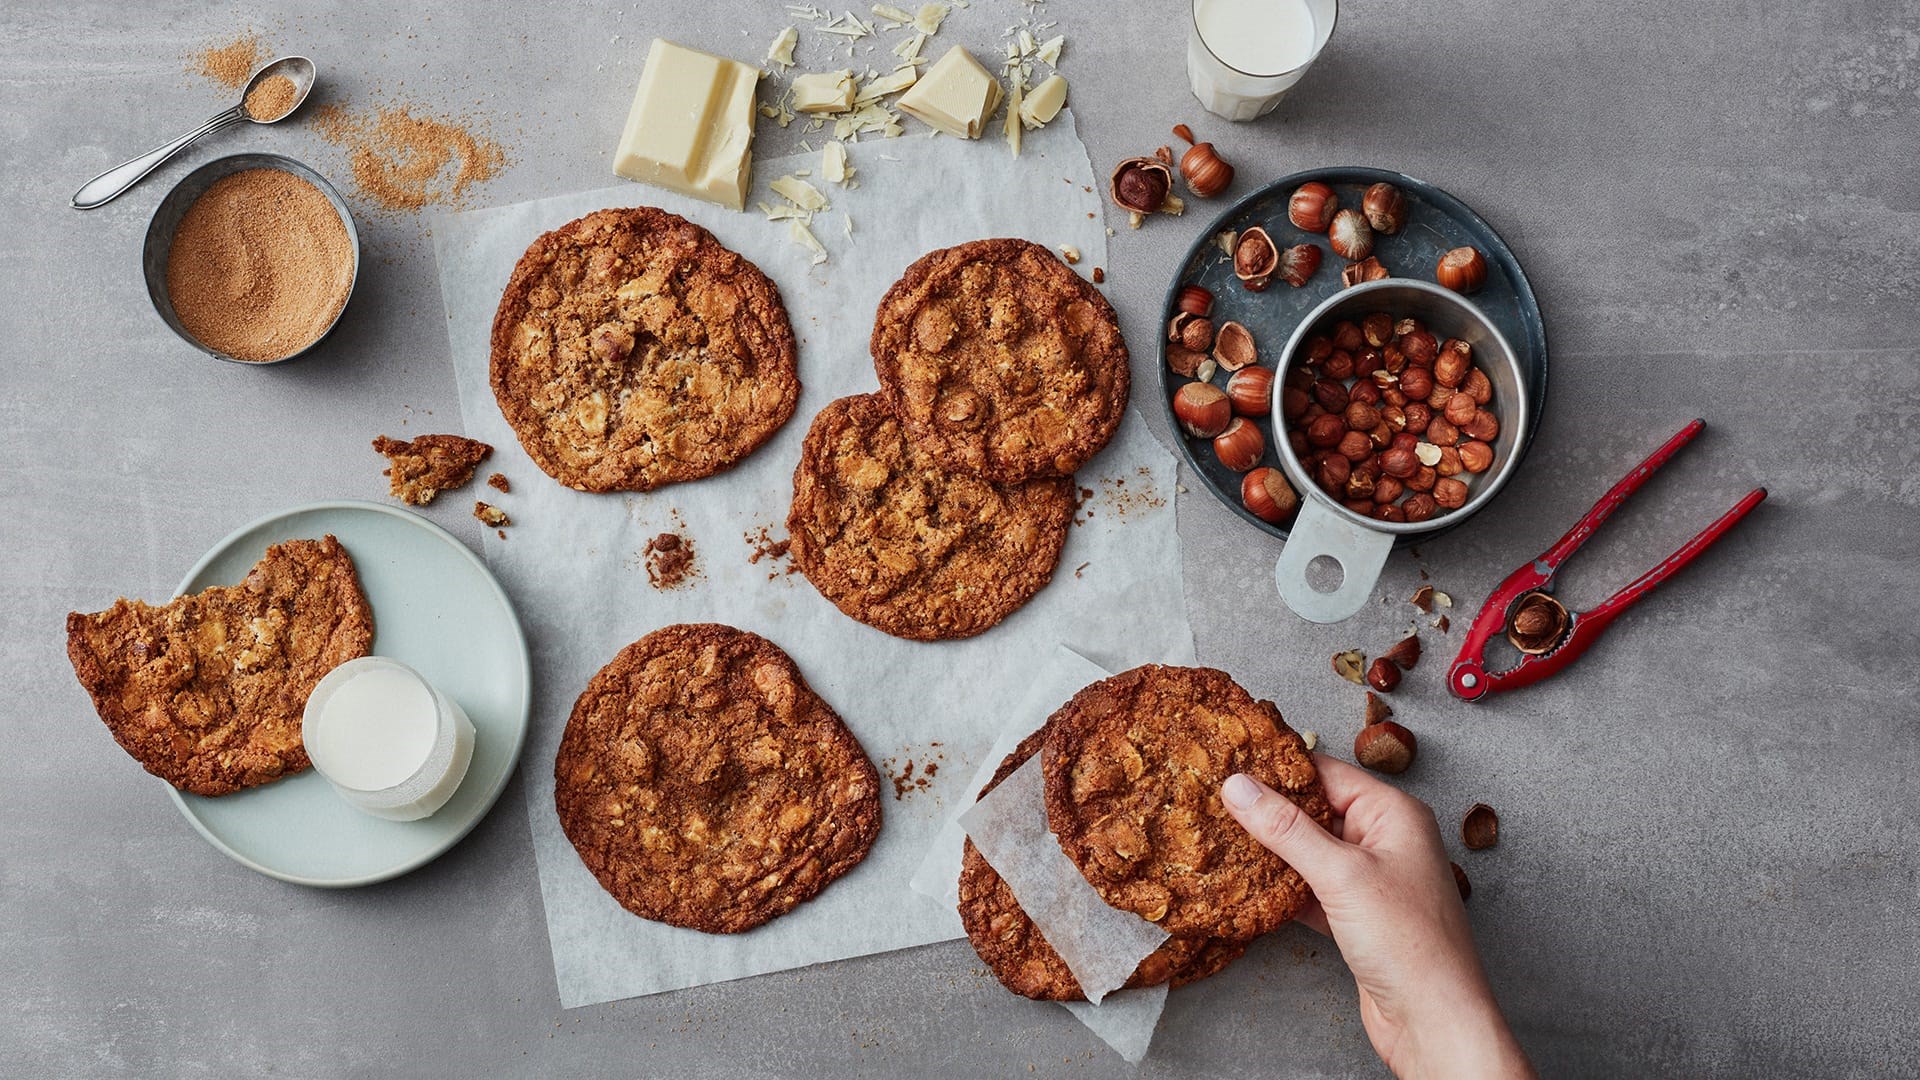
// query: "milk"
[[1243, 55], [390, 743]]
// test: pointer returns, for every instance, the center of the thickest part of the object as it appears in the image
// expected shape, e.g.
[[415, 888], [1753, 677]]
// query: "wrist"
[[1459, 1035]]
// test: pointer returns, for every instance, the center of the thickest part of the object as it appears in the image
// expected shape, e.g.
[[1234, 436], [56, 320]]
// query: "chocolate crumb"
[[670, 561]]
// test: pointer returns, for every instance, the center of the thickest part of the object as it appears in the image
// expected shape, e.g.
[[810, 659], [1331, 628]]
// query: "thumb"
[[1284, 829]]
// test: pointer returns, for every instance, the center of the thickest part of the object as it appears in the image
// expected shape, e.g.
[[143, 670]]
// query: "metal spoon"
[[108, 185]]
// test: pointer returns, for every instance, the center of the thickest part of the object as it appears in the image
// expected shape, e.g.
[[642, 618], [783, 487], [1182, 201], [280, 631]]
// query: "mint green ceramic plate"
[[436, 608]]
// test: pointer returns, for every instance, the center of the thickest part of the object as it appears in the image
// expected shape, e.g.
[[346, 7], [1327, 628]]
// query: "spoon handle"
[[108, 185]]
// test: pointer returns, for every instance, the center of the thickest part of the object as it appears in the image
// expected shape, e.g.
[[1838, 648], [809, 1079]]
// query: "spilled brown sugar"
[[272, 98], [403, 161], [260, 265], [231, 64]]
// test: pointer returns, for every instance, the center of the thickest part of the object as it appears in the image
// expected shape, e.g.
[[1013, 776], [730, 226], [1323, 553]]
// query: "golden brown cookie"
[[706, 785], [427, 465], [1133, 769], [906, 547], [631, 350], [1001, 361], [207, 692], [1018, 954]]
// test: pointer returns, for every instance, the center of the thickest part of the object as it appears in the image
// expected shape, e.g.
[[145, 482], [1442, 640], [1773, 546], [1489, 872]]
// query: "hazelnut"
[[1347, 335], [1377, 710], [1420, 507], [1361, 507], [1298, 441], [1293, 400], [1394, 416], [1476, 456], [1361, 416], [1254, 258], [1419, 415], [1384, 747], [1450, 493], [1441, 432], [1453, 363], [1140, 185], [1298, 263], [1206, 172], [1195, 300], [1331, 395], [1355, 446], [1251, 389], [1440, 396], [1350, 236], [1367, 269], [1327, 430], [1333, 472], [1300, 376], [1360, 483], [1203, 409], [1482, 425], [1233, 346], [1196, 333], [1364, 390], [1392, 359], [1385, 208], [1480, 829], [1463, 270], [1268, 496], [1420, 346], [1382, 675], [1460, 409], [1449, 463], [1477, 386], [1399, 463], [1377, 328], [1349, 664], [1239, 447], [1312, 206], [1416, 383], [1405, 441], [1339, 365], [1460, 881], [1380, 435], [1423, 479], [1387, 489], [1539, 622], [1183, 361], [1319, 348], [1388, 511], [1406, 652]]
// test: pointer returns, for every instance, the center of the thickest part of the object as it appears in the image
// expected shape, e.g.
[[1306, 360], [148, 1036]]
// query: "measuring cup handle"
[[1360, 551]]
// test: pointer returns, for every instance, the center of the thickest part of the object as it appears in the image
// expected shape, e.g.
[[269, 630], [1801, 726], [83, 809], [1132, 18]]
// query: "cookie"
[[910, 549], [1018, 954], [632, 350], [706, 785], [427, 465], [1001, 361], [207, 692], [1133, 769]]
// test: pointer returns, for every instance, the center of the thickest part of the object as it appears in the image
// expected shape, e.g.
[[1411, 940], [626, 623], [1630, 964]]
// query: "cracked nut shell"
[[1480, 829], [1539, 622], [1140, 185]]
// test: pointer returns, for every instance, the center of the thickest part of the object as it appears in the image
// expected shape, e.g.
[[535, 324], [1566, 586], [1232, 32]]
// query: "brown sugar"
[[272, 98], [232, 64], [261, 265], [403, 161]]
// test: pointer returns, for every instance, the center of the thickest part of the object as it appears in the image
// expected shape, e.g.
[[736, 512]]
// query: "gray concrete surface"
[[1710, 856]]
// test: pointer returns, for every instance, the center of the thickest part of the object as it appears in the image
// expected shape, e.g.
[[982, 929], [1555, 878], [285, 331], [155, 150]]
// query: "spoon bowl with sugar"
[[272, 95]]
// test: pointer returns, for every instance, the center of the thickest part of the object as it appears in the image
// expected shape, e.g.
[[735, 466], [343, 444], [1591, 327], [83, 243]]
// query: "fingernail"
[[1240, 791]]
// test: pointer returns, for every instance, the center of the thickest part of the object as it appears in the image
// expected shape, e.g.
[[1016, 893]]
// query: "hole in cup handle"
[[1360, 551]]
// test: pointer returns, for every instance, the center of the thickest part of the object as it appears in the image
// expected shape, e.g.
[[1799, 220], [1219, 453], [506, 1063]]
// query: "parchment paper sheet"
[[573, 562]]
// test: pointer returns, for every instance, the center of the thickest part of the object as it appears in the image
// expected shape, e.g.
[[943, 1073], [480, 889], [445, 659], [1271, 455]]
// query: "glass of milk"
[[390, 743], [1244, 55]]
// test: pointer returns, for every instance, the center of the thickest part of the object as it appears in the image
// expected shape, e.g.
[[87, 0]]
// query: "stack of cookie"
[[936, 507], [1133, 766]]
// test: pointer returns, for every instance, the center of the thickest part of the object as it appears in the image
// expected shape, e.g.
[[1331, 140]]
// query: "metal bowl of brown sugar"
[[251, 258]]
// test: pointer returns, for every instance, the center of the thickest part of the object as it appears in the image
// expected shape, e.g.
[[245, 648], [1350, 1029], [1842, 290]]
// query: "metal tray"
[[1436, 222]]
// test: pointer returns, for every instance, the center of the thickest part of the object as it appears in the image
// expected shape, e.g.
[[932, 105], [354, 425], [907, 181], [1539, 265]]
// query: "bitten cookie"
[[1133, 767], [706, 785], [207, 692], [1001, 361], [632, 350], [908, 548]]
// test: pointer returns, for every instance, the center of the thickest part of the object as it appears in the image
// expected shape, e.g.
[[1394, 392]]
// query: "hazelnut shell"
[[1480, 829]]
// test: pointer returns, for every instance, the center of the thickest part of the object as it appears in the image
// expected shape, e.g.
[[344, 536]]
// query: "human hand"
[[1385, 894]]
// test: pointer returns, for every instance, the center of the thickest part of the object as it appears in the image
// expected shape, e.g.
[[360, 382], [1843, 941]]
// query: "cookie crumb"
[[497, 482], [491, 515], [425, 466], [670, 561]]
